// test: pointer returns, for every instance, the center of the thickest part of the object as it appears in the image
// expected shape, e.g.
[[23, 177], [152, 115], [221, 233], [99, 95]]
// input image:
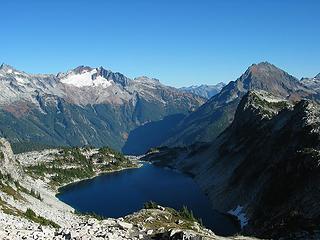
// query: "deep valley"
[[251, 150]]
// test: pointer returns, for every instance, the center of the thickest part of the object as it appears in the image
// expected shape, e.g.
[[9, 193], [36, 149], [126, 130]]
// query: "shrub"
[[90, 214], [150, 205], [35, 194], [187, 214], [38, 219], [30, 213]]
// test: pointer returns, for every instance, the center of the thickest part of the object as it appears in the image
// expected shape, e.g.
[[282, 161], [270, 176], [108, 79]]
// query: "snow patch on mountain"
[[21, 80], [240, 215], [86, 79], [312, 83]]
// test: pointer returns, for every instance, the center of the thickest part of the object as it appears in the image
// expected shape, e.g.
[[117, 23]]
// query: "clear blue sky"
[[181, 42]]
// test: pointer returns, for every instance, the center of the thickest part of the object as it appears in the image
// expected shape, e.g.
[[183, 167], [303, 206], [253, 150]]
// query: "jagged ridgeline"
[[213, 117], [86, 106], [97, 107], [264, 168]]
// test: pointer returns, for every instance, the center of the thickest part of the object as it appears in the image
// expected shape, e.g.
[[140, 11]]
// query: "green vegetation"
[[184, 213], [187, 214], [150, 205], [32, 192], [29, 214], [71, 164], [167, 218], [35, 194], [265, 105], [107, 151], [20, 147], [89, 214], [6, 188], [60, 175], [13, 188], [8, 209]]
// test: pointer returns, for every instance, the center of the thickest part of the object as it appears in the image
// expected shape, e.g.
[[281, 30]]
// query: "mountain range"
[[206, 91], [253, 147], [95, 106], [208, 121], [84, 106]]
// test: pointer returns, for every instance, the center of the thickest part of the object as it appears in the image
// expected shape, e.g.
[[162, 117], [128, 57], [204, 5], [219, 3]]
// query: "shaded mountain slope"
[[265, 165], [207, 122], [84, 106], [206, 91]]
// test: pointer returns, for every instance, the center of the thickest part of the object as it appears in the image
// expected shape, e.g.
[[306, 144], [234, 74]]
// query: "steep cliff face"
[[264, 167], [8, 163]]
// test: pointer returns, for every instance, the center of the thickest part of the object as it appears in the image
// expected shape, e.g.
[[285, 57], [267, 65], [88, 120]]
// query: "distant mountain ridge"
[[95, 106], [312, 83], [206, 91], [84, 106], [207, 122]]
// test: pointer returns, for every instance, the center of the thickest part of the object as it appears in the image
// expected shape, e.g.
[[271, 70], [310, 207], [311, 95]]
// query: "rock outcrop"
[[264, 168], [8, 163]]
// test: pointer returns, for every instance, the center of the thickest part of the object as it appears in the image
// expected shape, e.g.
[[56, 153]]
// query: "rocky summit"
[[213, 117]]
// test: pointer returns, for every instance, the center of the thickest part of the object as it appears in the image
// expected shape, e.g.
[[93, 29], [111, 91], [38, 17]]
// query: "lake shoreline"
[[195, 197], [160, 164], [59, 189]]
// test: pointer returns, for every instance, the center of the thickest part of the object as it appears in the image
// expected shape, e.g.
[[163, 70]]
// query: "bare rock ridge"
[[312, 83], [206, 91], [264, 168]]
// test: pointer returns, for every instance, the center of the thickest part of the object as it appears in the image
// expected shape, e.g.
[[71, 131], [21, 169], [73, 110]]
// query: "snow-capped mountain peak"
[[81, 86], [85, 77], [6, 68], [312, 83]]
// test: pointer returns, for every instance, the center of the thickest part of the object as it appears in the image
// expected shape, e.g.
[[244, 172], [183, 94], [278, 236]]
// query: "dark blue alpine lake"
[[121, 193]]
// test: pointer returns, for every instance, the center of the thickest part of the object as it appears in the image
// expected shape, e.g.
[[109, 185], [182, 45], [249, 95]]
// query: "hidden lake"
[[121, 193]]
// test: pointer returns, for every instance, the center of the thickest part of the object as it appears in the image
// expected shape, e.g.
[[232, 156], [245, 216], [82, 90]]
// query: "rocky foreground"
[[30, 210]]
